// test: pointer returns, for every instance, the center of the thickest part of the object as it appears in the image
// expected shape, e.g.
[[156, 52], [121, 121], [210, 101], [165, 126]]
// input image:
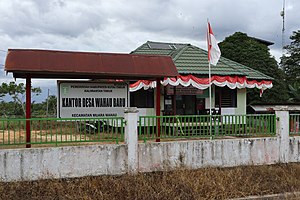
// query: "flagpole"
[[209, 81], [209, 73], [210, 116]]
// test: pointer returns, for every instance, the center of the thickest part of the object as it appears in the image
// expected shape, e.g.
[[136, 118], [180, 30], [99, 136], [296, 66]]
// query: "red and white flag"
[[214, 52], [261, 92]]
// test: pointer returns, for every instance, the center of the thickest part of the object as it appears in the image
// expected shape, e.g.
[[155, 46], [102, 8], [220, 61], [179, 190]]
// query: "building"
[[188, 93]]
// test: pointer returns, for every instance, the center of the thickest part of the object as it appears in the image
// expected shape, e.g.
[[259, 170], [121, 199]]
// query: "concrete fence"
[[133, 157]]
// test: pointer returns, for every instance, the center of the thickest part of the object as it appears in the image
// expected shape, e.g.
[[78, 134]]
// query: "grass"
[[207, 183]]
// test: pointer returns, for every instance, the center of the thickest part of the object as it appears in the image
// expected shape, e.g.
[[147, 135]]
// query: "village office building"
[[188, 94]]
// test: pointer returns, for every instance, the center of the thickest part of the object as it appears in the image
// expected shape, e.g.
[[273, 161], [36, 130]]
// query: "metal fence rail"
[[294, 124], [204, 126], [61, 130]]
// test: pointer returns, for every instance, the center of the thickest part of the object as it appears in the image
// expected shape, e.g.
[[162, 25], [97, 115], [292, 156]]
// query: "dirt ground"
[[207, 183]]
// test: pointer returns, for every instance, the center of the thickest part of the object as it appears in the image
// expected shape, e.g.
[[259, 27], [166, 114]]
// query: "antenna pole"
[[282, 13]]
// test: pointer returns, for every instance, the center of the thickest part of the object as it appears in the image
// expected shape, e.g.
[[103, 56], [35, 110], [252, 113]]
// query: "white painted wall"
[[209, 153], [213, 89], [62, 162], [146, 111], [241, 102], [94, 160]]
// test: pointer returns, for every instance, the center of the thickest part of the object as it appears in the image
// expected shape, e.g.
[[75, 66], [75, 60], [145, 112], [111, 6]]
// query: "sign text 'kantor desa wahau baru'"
[[92, 99]]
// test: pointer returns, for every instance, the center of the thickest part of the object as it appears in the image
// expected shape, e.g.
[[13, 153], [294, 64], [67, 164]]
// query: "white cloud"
[[123, 25]]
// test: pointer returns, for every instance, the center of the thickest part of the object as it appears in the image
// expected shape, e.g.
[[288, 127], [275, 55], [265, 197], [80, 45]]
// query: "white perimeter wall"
[[132, 157], [62, 162], [94, 160], [211, 153]]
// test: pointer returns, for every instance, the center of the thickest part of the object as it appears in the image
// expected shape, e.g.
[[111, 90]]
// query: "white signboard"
[[91, 99]]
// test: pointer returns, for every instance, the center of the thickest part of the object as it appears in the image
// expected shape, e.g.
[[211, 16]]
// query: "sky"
[[123, 25]]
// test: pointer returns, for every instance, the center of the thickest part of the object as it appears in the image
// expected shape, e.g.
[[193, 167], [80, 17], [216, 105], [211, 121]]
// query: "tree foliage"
[[17, 93], [252, 53], [291, 61], [294, 90], [40, 109], [9, 109]]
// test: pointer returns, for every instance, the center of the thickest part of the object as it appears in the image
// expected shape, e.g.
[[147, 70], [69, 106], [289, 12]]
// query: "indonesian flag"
[[261, 92], [214, 52]]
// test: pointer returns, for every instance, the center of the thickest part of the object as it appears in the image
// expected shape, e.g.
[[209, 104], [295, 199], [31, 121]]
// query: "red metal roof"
[[87, 65]]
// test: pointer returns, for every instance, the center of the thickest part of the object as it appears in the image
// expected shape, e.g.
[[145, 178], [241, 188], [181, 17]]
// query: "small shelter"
[[187, 94], [34, 63]]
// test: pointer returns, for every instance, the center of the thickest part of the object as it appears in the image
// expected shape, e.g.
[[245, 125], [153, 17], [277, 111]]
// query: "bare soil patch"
[[207, 183]]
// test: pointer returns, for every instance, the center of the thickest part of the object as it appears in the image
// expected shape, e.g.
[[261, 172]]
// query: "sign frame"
[[107, 105]]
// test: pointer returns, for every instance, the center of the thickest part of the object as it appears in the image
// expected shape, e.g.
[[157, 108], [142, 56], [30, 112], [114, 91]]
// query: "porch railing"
[[61, 130], [294, 124], [204, 126]]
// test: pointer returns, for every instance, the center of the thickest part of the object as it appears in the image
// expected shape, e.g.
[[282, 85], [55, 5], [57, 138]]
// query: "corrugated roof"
[[268, 108], [265, 42], [68, 64], [190, 59]]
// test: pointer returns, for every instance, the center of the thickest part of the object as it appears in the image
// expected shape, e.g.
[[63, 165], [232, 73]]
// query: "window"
[[142, 98], [226, 96]]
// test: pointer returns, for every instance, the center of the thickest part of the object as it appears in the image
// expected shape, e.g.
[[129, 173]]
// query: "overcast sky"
[[123, 25]]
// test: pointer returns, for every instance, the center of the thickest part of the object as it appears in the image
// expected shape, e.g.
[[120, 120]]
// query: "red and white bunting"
[[203, 83]]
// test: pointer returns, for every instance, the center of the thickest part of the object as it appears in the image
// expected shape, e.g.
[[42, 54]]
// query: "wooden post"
[[220, 102], [158, 109], [28, 110], [174, 100]]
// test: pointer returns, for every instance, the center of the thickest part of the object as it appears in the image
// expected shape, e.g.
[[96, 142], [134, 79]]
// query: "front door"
[[186, 105]]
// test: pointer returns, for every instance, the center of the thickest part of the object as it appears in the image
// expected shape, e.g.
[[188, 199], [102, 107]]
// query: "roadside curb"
[[282, 196]]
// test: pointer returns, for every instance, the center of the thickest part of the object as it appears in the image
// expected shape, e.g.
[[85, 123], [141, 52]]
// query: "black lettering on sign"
[[119, 102], [103, 102], [88, 102], [71, 102]]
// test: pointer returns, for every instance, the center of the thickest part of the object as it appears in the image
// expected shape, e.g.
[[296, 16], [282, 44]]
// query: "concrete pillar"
[[282, 131], [131, 138]]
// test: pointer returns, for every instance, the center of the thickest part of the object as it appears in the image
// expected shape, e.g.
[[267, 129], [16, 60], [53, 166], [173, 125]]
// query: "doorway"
[[186, 105]]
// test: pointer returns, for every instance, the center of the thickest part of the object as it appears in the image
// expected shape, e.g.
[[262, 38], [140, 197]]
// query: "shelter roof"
[[262, 41], [272, 107], [87, 65], [190, 59]]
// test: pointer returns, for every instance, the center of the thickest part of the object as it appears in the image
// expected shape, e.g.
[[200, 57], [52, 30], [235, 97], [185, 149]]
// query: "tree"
[[254, 54], [295, 92], [291, 61], [10, 109], [52, 105], [40, 109], [17, 93]]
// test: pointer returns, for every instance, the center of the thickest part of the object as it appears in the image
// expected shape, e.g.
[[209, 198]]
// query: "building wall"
[[239, 110], [212, 99], [241, 104]]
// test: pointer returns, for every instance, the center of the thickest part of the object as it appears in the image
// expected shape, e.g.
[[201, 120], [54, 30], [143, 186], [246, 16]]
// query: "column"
[[131, 138], [282, 132]]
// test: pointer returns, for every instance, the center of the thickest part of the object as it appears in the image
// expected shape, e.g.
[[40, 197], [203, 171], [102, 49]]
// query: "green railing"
[[61, 130], [295, 124], [204, 126]]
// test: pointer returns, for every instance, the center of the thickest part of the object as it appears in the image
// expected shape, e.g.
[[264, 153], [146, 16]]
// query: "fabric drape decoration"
[[203, 83]]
